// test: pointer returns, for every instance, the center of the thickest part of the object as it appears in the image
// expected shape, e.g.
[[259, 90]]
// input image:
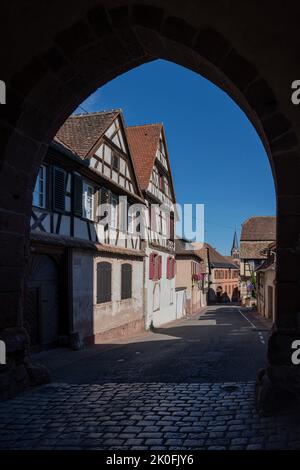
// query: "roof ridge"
[[144, 125], [95, 113]]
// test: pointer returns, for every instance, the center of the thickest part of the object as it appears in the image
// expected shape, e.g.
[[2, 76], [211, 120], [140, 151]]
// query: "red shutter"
[[169, 267], [159, 271], [151, 266]]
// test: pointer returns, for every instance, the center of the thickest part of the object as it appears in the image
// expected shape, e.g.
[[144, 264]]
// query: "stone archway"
[[68, 49]]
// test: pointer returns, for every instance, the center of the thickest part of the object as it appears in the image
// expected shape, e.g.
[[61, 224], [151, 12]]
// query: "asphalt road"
[[224, 344]]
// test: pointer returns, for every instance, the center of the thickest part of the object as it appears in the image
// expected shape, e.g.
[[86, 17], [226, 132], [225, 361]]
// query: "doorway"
[[41, 311]]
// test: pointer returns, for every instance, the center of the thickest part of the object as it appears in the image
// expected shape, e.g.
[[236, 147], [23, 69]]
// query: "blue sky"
[[216, 155]]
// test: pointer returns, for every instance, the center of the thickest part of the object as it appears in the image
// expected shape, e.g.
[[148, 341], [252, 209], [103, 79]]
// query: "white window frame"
[[39, 193], [114, 211], [87, 201]]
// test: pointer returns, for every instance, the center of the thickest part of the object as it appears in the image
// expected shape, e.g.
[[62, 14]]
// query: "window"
[[104, 198], [155, 266], [87, 201], [115, 162], [114, 211], [195, 268], [161, 182], [172, 228], [39, 194], [103, 282], [160, 231], [171, 267], [126, 281]]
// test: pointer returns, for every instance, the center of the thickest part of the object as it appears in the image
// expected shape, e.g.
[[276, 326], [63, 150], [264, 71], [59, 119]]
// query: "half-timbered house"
[[256, 235], [86, 266], [149, 150]]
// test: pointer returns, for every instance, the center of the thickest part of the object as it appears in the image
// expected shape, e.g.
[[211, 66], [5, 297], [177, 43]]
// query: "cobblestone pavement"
[[143, 416]]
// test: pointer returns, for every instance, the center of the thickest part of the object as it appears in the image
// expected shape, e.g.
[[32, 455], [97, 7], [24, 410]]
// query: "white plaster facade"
[[160, 301]]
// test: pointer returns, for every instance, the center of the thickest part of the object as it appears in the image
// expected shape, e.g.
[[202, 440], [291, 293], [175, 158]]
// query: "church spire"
[[235, 251]]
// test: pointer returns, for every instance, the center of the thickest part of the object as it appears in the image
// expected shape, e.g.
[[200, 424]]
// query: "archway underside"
[[78, 54]]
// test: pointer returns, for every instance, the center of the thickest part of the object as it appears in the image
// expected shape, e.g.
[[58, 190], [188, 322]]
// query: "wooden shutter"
[[77, 195], [103, 282], [169, 259], [151, 265], [126, 281], [59, 184], [159, 267], [171, 226]]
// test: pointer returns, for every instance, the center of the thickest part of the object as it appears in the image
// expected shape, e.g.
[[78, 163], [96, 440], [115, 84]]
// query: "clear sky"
[[216, 155]]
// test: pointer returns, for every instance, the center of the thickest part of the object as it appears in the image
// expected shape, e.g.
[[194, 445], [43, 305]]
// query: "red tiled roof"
[[80, 132], [253, 249], [259, 228], [216, 260], [143, 142]]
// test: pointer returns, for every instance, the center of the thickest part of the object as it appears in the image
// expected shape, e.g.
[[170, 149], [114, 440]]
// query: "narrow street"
[[186, 386], [221, 345]]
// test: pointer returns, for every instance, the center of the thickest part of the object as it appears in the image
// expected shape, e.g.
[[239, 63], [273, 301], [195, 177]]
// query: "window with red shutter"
[[159, 270], [169, 267], [174, 267]]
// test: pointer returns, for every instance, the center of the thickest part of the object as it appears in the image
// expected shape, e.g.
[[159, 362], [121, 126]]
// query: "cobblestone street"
[[145, 414]]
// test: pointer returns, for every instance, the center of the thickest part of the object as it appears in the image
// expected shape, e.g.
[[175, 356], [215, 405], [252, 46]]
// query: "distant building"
[[223, 277], [266, 283], [202, 251], [189, 275], [257, 234]]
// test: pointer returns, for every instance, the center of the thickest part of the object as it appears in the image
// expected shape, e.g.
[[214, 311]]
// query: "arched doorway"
[[57, 65]]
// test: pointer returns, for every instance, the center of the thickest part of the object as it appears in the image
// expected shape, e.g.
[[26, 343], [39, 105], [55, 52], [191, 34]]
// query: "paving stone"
[[143, 416], [194, 443], [154, 442], [216, 448], [254, 447], [239, 441]]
